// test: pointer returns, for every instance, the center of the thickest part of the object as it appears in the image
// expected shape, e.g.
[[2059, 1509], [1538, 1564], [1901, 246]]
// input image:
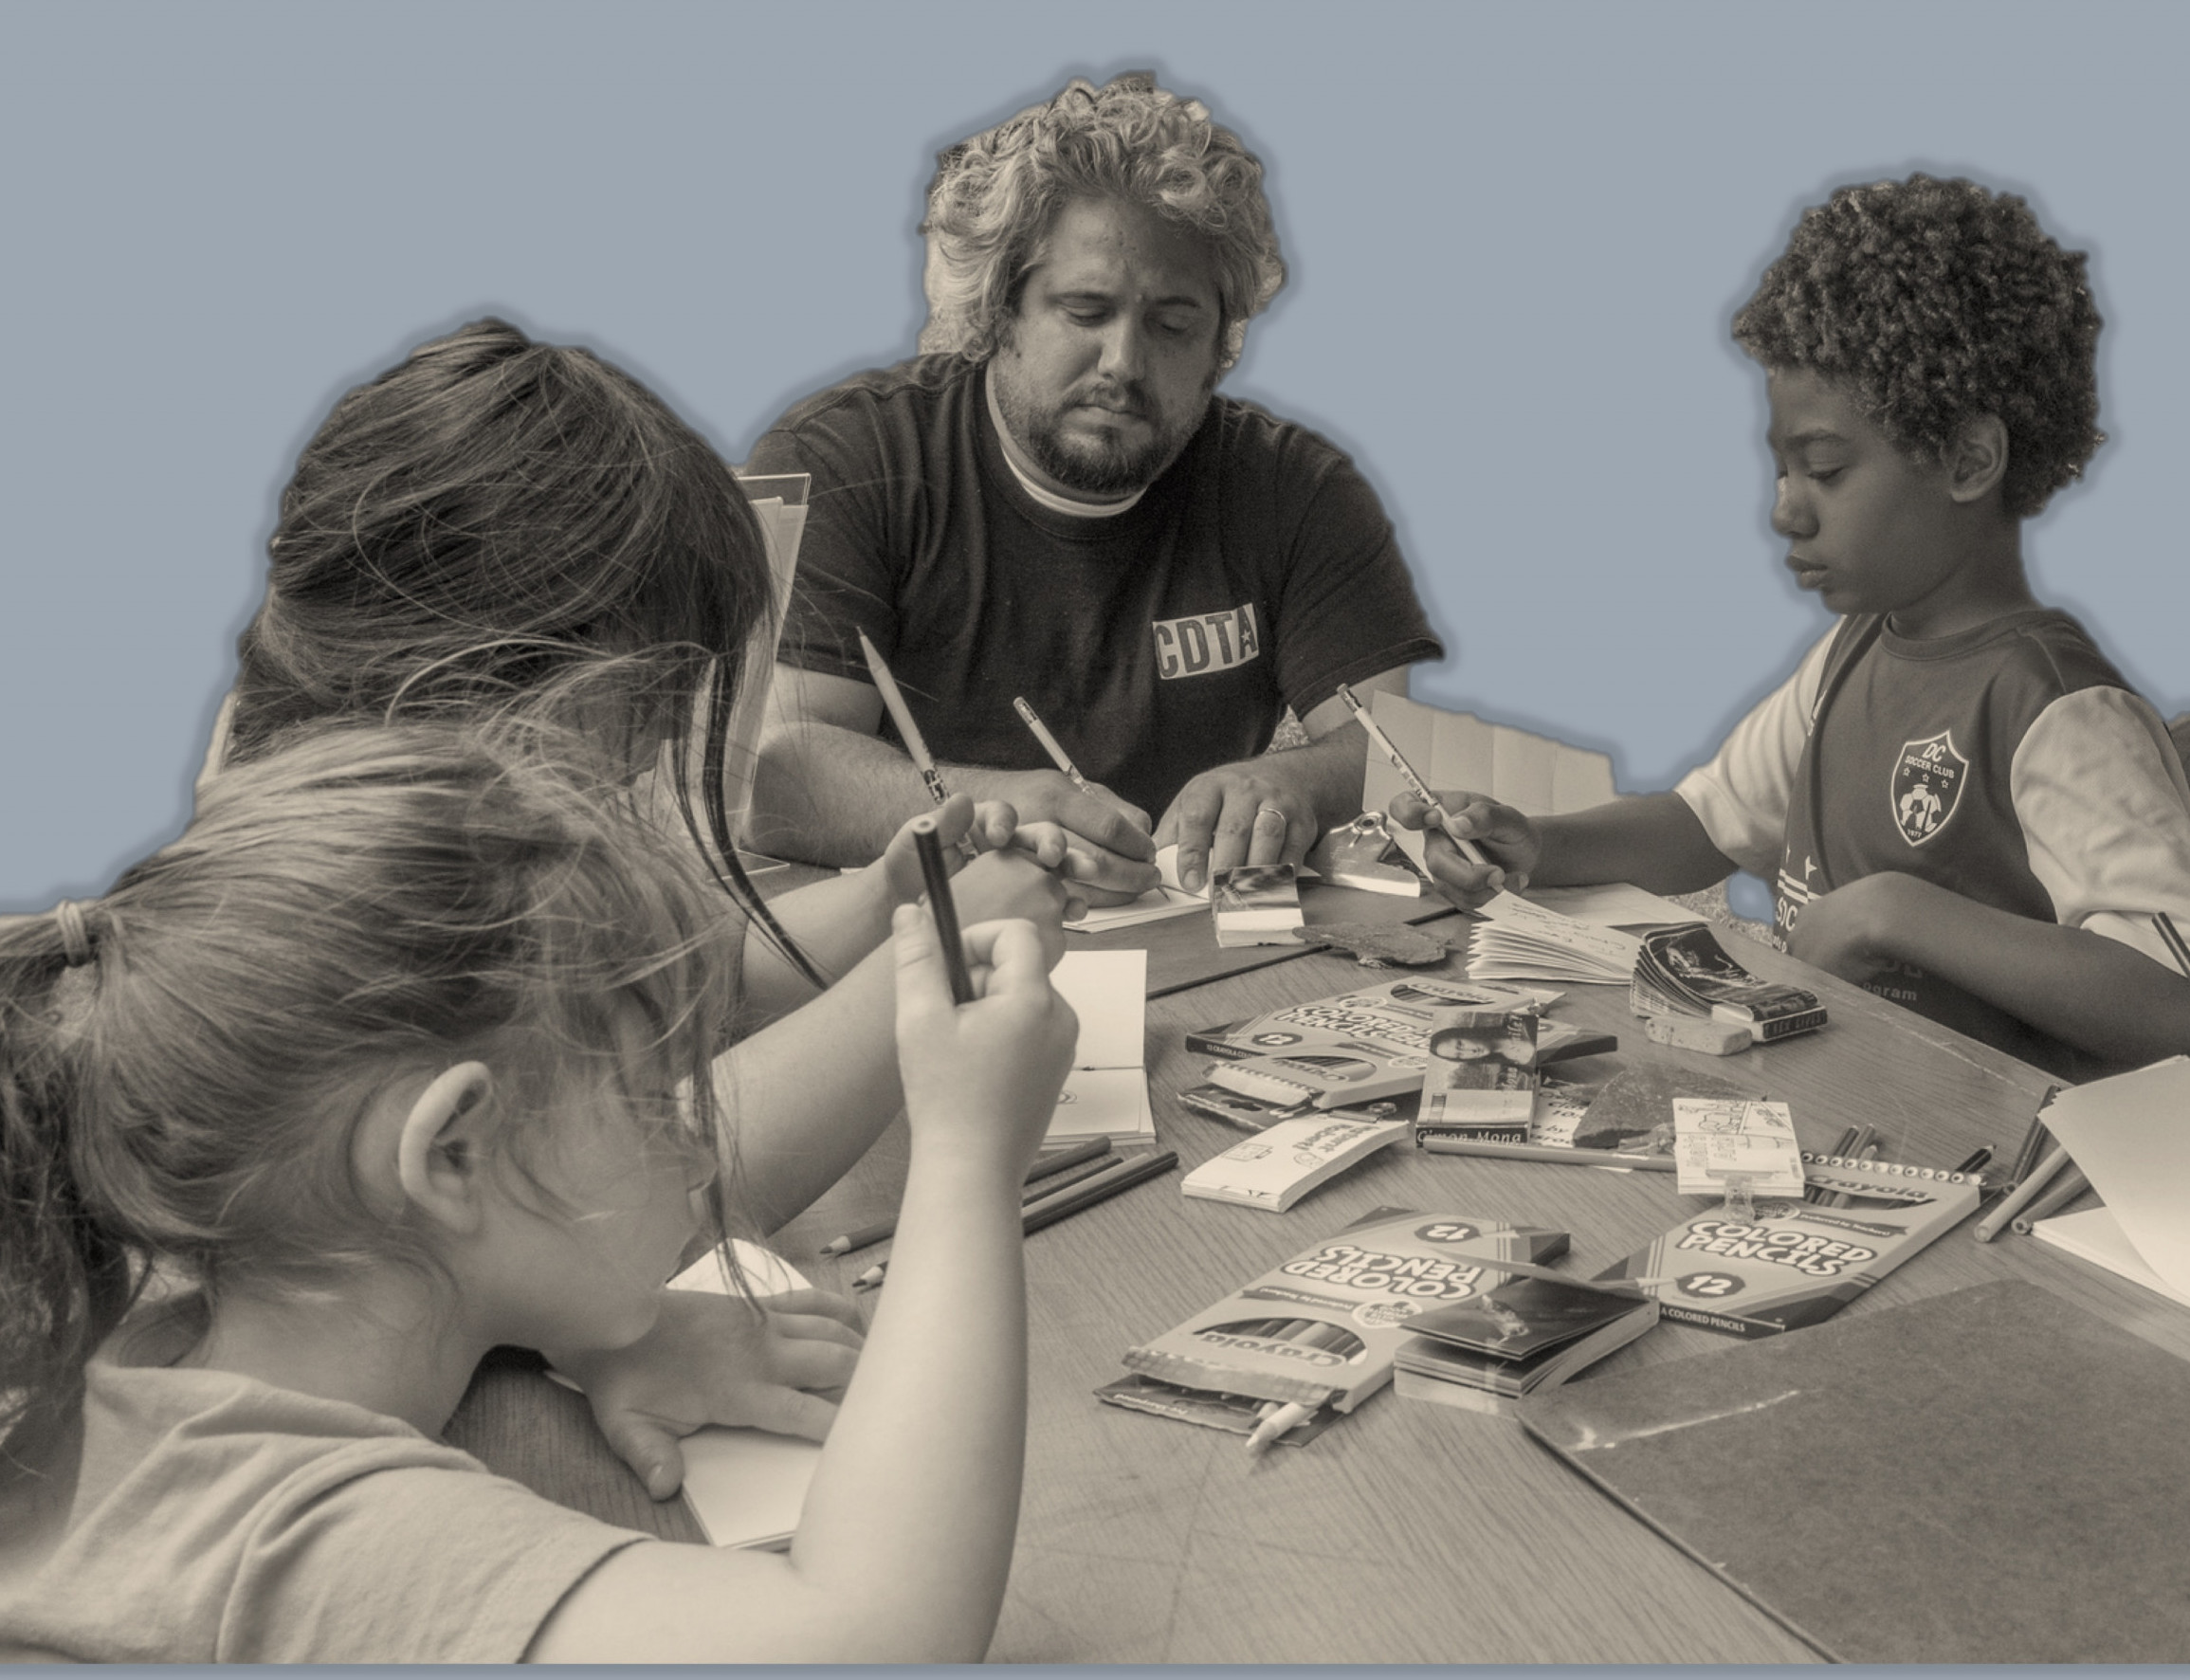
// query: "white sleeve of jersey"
[[2099, 791], [1742, 795]]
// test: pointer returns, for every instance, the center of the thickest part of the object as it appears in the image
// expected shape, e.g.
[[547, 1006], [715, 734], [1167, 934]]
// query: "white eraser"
[[1697, 1033]]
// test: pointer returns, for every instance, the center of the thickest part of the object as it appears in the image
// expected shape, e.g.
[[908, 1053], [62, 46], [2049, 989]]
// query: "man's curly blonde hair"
[[996, 196]]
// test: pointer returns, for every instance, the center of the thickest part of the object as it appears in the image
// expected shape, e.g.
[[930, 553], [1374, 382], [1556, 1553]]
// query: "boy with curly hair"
[[1964, 806]]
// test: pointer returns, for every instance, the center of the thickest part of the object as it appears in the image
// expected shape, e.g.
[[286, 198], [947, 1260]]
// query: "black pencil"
[[940, 904], [1048, 1166], [2035, 1141], [1065, 1180], [1067, 1204]]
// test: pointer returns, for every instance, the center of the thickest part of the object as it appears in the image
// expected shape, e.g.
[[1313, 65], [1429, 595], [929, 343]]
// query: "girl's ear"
[[1977, 459], [441, 1154]]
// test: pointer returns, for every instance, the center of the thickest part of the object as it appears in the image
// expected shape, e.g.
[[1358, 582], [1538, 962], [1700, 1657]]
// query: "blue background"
[[1516, 236]]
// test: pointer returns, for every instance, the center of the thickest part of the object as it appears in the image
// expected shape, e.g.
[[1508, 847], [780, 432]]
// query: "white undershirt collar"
[[1050, 499]]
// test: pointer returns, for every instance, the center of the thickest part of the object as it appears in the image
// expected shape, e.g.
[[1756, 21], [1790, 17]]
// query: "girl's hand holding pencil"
[[980, 1077]]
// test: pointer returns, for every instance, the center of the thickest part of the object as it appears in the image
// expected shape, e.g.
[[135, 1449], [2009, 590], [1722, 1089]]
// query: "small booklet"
[[1685, 971], [1531, 1332], [1520, 941], [1795, 1262], [1320, 1330], [2127, 1135], [746, 1487], [1482, 1074], [1106, 1093], [1275, 1168]]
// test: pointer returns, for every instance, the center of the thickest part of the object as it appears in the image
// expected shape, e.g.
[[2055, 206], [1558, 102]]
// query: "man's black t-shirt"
[[1258, 572]]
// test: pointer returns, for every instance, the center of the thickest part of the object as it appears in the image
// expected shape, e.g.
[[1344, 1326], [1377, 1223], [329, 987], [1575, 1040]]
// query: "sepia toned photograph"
[[909, 833]]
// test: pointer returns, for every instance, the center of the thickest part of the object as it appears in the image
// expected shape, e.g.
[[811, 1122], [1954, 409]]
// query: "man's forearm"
[[830, 795], [1325, 772]]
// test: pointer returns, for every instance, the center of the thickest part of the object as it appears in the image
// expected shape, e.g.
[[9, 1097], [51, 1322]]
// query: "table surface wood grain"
[[1407, 1532]]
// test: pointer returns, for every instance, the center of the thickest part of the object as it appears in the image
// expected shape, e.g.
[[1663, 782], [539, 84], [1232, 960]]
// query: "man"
[[1052, 503]]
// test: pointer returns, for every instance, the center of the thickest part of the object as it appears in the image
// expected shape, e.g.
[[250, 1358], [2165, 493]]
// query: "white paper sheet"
[[2131, 1136]]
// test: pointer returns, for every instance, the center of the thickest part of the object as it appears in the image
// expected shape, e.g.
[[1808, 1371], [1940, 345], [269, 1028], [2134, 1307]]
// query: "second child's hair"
[[182, 1062], [491, 515], [1937, 302]]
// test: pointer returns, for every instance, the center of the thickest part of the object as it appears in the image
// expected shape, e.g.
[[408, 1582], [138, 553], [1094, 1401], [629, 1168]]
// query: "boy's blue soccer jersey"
[[2009, 763]]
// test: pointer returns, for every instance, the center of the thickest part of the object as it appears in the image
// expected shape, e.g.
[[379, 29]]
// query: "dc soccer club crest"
[[1927, 783]]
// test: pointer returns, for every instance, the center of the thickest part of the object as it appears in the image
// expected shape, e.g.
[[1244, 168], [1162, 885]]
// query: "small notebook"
[[1986, 1476], [2127, 1135], [1106, 1093], [746, 1487]]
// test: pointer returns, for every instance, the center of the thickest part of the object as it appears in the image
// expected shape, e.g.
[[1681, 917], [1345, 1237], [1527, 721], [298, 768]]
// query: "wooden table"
[[1408, 1532]]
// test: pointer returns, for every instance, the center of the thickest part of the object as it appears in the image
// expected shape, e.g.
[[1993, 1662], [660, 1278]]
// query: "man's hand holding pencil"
[[1016, 875]]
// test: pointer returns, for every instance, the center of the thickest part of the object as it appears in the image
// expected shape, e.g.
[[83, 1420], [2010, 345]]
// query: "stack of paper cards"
[[1520, 941], [1685, 971], [1274, 1169], [1107, 1092], [1255, 904], [2127, 1135], [1715, 1143], [1363, 855]]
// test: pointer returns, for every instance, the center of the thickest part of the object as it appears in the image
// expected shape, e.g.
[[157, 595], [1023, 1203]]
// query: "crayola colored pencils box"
[[1795, 1263], [1322, 1329]]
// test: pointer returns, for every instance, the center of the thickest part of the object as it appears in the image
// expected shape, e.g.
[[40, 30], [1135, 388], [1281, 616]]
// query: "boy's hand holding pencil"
[[1505, 844]]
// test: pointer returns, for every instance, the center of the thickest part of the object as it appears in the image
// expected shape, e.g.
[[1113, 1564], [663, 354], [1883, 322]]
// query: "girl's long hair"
[[182, 1062], [488, 515]]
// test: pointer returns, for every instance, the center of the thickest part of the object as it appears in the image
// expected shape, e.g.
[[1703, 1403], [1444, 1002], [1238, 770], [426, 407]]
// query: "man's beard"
[[1101, 466]]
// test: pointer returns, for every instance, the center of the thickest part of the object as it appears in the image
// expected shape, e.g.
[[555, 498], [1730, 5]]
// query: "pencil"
[[2035, 1139], [916, 745], [930, 847], [2070, 1184], [1565, 1157], [1065, 1180], [1047, 1166], [1067, 1202], [1415, 785], [1976, 1160], [2016, 1201], [1058, 756]]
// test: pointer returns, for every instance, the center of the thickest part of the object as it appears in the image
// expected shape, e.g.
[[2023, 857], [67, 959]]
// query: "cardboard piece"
[[1534, 773], [1986, 1476]]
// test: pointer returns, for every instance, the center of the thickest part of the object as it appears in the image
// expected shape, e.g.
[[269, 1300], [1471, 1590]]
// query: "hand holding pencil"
[[981, 1076]]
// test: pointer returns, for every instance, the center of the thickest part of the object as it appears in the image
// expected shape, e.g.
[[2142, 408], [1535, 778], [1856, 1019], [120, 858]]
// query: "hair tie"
[[75, 935]]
